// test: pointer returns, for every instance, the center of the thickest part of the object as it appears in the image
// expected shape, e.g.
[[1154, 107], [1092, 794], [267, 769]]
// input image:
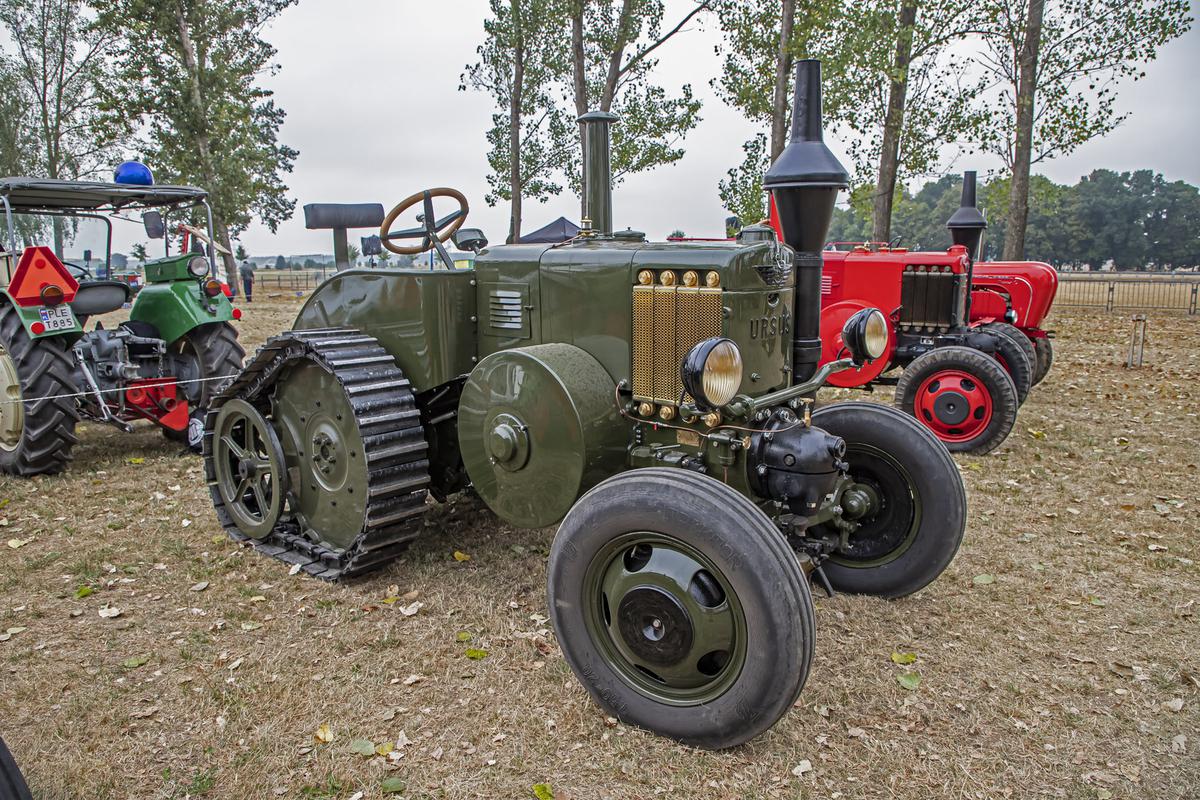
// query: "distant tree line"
[[1131, 220]]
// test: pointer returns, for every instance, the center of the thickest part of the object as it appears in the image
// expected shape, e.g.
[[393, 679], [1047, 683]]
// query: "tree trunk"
[[203, 146], [579, 84], [783, 74], [514, 127], [1018, 198], [893, 125]]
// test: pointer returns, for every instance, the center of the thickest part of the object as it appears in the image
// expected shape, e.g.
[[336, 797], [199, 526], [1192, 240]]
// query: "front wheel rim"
[[665, 619], [891, 518], [12, 409], [955, 405]]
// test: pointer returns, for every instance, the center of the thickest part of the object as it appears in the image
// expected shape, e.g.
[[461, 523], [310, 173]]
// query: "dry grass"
[[1058, 679]]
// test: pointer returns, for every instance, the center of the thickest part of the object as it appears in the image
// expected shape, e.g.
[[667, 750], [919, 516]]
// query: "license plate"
[[58, 318]]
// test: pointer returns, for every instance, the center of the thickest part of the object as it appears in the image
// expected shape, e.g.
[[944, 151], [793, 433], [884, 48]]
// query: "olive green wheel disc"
[[680, 606], [666, 617], [248, 464], [12, 410], [324, 451]]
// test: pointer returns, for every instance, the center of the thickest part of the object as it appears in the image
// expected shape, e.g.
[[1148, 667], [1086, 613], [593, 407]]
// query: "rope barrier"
[[109, 391]]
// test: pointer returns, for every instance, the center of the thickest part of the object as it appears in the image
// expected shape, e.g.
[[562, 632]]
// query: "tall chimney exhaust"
[[967, 224], [804, 182], [597, 170]]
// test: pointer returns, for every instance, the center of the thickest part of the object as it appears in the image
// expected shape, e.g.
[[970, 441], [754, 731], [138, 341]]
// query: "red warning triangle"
[[37, 269]]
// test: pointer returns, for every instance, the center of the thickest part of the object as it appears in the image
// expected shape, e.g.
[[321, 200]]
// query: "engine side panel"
[[424, 318]]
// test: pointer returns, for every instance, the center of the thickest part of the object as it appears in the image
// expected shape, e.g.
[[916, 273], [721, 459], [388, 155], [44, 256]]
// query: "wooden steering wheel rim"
[[410, 201]]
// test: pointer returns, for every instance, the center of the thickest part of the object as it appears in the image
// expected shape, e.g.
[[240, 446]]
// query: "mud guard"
[[178, 307]]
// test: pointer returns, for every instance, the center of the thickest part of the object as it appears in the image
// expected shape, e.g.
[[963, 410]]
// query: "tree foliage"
[[190, 71]]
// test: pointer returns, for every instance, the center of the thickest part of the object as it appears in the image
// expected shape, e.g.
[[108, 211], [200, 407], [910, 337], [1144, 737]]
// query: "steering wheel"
[[432, 233]]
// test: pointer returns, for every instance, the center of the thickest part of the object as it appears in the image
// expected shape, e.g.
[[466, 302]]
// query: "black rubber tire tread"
[[46, 369], [393, 438], [1010, 341], [221, 355], [1045, 358], [939, 485], [12, 783], [754, 557], [990, 374]]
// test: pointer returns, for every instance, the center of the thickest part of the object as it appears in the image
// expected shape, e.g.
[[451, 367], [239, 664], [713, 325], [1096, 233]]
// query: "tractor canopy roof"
[[45, 194]]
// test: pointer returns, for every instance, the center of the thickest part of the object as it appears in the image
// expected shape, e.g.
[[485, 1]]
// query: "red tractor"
[[967, 336]]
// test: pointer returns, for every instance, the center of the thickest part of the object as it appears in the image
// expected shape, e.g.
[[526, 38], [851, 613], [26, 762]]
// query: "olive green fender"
[[177, 307], [424, 318]]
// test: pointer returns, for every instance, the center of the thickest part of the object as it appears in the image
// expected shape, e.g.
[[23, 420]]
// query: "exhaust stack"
[[804, 182], [967, 224], [597, 170]]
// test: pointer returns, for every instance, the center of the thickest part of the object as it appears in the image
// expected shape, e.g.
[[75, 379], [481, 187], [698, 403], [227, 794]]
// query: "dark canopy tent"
[[558, 231]]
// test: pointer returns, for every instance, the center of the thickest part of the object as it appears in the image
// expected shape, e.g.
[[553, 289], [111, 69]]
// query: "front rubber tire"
[[214, 352], [1019, 357], [750, 556], [45, 369], [991, 379], [873, 432], [12, 784], [1045, 358]]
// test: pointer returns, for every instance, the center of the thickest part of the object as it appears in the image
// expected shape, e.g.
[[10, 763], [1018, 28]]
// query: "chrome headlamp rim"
[[197, 266], [712, 373]]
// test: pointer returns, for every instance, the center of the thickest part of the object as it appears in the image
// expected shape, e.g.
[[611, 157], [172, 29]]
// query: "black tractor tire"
[[1045, 358], [888, 449], [12, 784], [45, 370], [755, 568], [978, 433], [217, 354], [1009, 342]]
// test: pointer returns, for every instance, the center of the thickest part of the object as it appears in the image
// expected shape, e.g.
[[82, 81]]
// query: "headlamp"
[[866, 335], [712, 373], [197, 266]]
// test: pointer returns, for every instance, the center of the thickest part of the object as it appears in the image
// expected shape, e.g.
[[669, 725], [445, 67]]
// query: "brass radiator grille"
[[668, 321]]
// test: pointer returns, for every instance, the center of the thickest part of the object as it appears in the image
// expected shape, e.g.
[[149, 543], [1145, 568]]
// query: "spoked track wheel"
[[326, 427]]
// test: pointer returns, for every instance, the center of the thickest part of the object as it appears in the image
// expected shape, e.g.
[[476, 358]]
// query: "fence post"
[[1108, 306], [1195, 294]]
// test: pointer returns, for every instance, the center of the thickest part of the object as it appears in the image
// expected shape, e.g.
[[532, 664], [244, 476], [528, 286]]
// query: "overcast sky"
[[371, 93]]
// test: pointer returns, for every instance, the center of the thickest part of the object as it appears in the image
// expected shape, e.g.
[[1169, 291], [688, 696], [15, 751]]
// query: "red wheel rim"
[[955, 405]]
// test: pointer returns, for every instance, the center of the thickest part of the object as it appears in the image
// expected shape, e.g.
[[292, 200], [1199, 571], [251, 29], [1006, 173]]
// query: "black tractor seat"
[[99, 297]]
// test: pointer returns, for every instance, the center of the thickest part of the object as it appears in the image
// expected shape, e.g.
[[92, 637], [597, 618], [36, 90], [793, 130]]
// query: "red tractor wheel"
[[964, 396], [1015, 353]]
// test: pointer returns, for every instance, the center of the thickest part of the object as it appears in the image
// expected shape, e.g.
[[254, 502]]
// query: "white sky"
[[371, 92]]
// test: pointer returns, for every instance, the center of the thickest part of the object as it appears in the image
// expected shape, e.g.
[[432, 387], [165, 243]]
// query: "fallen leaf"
[[464, 636], [392, 785], [476, 654], [408, 597], [258, 598], [234, 664], [108, 612], [1179, 744], [801, 768], [856, 733], [15, 543], [984, 579], [903, 658], [295, 570], [543, 791], [199, 587], [324, 733], [133, 662], [143, 713], [1039, 435], [384, 749], [436, 754], [135, 461], [251, 626], [363, 747], [402, 740], [461, 556], [411, 679], [909, 680], [84, 591], [412, 609], [1174, 704]]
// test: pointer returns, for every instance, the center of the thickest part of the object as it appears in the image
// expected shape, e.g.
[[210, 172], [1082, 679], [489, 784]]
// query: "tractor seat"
[[99, 297]]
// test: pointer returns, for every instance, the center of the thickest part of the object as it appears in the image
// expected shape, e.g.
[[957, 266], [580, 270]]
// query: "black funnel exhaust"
[[804, 182], [967, 224]]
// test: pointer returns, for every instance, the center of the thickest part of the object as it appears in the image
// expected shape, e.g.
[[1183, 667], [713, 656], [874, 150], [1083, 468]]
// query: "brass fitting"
[[690, 278], [645, 277], [712, 280], [667, 278], [666, 413], [712, 419], [646, 409]]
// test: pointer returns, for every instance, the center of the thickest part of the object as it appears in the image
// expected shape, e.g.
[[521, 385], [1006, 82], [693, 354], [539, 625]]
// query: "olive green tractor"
[[654, 400]]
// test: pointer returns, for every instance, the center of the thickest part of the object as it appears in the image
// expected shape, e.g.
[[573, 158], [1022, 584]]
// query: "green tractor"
[[161, 365], [655, 400]]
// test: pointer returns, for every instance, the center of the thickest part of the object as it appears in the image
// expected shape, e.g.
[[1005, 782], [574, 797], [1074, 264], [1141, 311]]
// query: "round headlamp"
[[866, 335], [712, 372], [197, 266]]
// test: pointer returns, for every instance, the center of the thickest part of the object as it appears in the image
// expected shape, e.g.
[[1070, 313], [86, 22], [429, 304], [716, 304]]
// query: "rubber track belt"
[[389, 423]]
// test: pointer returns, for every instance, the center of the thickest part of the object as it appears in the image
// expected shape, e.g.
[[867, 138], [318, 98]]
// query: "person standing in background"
[[247, 273]]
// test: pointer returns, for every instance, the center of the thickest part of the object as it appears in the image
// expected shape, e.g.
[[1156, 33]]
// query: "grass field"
[[1059, 656]]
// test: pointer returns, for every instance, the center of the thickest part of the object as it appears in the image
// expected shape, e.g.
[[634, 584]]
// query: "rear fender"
[[1029, 285], [31, 321], [178, 307]]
